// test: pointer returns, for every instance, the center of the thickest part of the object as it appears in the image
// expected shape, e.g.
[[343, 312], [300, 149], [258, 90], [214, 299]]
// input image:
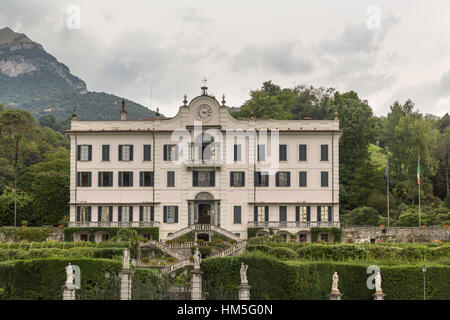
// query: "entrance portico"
[[204, 209]]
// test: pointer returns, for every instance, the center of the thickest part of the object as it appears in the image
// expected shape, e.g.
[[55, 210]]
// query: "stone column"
[[378, 295], [196, 289], [244, 292], [125, 285], [68, 292]]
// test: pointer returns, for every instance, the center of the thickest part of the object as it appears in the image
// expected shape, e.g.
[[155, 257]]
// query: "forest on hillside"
[[403, 134]]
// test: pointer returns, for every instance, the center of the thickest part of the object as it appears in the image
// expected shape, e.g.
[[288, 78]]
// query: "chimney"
[[74, 115], [123, 113]]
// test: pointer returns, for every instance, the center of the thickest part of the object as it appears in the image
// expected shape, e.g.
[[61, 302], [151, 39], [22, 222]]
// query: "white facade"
[[205, 204]]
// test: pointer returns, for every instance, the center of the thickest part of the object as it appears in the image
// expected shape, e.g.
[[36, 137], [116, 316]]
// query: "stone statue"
[[244, 268], [69, 272], [126, 259], [378, 282], [197, 259], [334, 287]]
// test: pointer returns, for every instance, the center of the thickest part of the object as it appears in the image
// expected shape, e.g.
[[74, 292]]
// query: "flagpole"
[[419, 190], [387, 185]]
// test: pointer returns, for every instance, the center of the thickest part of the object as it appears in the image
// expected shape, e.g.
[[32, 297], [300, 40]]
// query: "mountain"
[[31, 79]]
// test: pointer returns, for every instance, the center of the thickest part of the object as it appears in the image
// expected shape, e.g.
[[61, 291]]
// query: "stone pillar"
[[196, 289], [378, 295], [244, 292], [336, 295], [125, 285], [68, 292]]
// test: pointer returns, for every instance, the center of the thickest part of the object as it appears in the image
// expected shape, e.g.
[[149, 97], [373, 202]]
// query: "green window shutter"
[[131, 178], [319, 218], [255, 213], [165, 214], [141, 178], [120, 178], [78, 153], [152, 213], [78, 213], [90, 179], [89, 213], [141, 213], [131, 152], [266, 209], [330, 213], [176, 214], [90, 152], [288, 179], [100, 182], [195, 178], [212, 178], [120, 152], [78, 179], [297, 213], [120, 214], [308, 213], [110, 213], [99, 215], [277, 179], [131, 214]]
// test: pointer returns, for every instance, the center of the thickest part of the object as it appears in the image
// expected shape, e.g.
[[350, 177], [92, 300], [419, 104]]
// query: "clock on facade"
[[204, 112]]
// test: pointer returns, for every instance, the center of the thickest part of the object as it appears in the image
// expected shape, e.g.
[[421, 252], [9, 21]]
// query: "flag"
[[418, 171]]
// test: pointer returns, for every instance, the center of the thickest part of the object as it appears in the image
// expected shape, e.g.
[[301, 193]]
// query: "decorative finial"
[[252, 115], [185, 100], [336, 115], [157, 113], [204, 87], [223, 100], [74, 114]]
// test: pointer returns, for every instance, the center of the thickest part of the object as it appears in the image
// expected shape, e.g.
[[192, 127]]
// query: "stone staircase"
[[231, 251], [164, 248], [203, 227]]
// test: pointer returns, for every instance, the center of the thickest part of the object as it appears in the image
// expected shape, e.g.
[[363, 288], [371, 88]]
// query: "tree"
[[24, 207], [362, 216]]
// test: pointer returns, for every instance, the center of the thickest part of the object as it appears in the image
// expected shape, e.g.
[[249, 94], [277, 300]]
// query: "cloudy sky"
[[384, 50]]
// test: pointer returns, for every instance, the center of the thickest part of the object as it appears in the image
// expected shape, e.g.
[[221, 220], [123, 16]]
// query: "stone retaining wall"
[[395, 234]]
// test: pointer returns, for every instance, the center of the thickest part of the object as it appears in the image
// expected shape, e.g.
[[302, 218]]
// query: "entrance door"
[[204, 213]]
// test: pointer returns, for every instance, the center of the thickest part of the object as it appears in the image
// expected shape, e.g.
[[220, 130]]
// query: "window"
[[237, 179], [84, 179], [283, 152], [125, 178], [83, 214], [261, 179], [125, 213], [105, 179], [302, 237], [83, 237], [324, 179], [324, 152], [283, 216], [171, 178], [324, 237], [302, 178], [170, 152], [302, 152], [125, 152], [105, 152], [283, 179], [237, 214], [237, 152], [85, 152], [324, 213], [146, 178], [203, 178], [261, 152], [105, 237], [261, 213], [147, 152], [170, 214], [302, 213], [104, 213], [146, 214]]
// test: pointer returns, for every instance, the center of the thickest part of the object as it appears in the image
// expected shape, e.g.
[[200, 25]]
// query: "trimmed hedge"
[[30, 234], [251, 232], [272, 279], [42, 278], [21, 254], [68, 232], [279, 252], [62, 245]]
